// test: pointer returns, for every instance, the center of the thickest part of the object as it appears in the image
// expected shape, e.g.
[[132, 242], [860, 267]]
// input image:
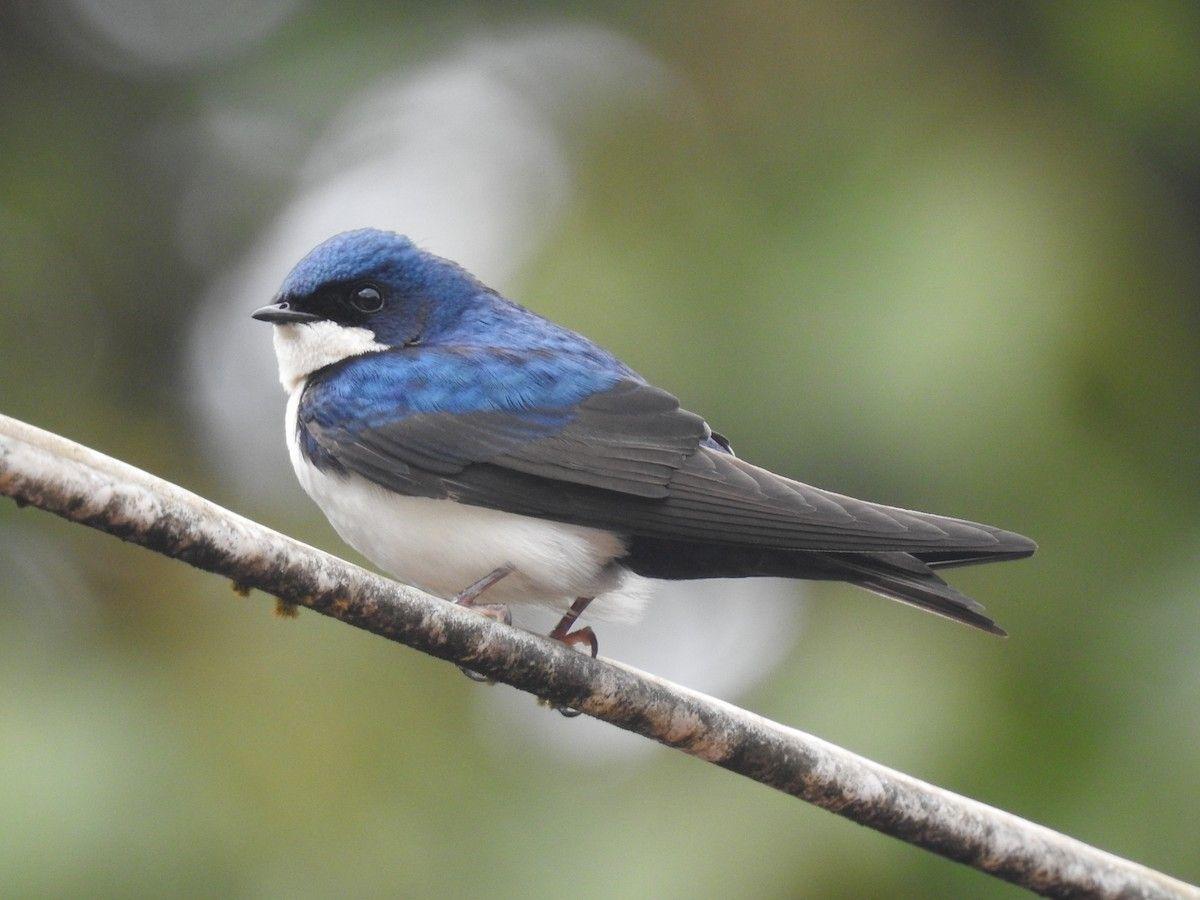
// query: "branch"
[[81, 485]]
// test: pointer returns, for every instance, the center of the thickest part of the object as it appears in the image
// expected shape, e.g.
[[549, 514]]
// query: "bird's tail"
[[903, 577]]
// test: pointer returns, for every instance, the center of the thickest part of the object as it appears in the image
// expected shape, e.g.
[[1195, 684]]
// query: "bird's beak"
[[282, 314]]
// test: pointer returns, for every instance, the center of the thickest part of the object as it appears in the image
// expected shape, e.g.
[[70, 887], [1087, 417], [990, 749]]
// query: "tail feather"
[[902, 577], [949, 560], [907, 577]]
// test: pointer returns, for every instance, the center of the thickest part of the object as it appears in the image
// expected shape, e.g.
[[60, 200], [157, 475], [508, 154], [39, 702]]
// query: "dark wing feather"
[[745, 505], [630, 439], [903, 577], [630, 460]]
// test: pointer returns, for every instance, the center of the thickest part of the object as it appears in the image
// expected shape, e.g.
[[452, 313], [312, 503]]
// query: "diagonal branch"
[[44, 470]]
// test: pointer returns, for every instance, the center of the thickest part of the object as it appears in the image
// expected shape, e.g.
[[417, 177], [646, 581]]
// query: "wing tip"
[[964, 616], [993, 628], [1015, 546]]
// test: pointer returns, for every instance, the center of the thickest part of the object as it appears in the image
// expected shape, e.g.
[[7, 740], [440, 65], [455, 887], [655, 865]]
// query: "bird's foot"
[[497, 612], [494, 611], [580, 636], [468, 595]]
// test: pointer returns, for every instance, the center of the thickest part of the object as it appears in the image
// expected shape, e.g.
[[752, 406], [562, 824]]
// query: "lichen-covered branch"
[[41, 469]]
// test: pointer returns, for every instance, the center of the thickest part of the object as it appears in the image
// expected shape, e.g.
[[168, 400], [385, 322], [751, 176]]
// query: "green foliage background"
[[939, 254]]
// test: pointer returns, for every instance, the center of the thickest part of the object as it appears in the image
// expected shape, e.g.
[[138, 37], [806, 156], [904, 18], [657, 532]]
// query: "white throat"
[[302, 349]]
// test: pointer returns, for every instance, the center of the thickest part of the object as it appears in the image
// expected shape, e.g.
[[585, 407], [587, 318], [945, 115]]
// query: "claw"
[[494, 611], [497, 612], [583, 635], [477, 677], [572, 639]]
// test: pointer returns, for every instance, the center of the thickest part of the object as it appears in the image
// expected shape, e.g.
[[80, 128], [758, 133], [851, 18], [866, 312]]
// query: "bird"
[[468, 446]]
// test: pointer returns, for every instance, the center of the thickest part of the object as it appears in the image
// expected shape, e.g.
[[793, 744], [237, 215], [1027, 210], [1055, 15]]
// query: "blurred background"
[[941, 255]]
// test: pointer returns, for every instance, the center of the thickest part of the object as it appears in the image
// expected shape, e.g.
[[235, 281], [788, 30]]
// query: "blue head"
[[363, 292], [377, 281], [367, 291]]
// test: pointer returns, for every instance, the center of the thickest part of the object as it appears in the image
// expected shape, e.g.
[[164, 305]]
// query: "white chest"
[[442, 546], [302, 349]]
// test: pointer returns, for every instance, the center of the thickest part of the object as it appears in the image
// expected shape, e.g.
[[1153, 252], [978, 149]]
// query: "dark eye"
[[366, 298]]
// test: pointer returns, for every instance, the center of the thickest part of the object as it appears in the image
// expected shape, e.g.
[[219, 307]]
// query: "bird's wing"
[[715, 498], [629, 439], [628, 459]]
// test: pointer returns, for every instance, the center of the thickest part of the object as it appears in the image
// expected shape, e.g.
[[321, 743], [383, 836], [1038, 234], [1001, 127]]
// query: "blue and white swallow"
[[474, 449]]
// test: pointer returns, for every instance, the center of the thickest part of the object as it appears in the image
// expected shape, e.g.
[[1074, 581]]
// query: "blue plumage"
[[435, 302], [367, 391], [364, 254], [459, 347], [539, 394]]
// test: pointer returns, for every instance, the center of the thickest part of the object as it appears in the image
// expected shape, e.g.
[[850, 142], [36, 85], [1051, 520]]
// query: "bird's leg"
[[499, 613], [468, 595], [562, 632]]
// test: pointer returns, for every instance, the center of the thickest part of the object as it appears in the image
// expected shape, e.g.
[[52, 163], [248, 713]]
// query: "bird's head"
[[362, 292]]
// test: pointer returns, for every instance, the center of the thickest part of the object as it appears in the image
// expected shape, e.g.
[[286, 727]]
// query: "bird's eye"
[[366, 298]]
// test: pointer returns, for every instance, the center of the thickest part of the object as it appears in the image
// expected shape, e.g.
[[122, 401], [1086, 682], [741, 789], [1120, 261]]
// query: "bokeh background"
[[943, 255]]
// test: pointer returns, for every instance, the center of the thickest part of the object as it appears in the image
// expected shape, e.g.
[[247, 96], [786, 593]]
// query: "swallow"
[[481, 452]]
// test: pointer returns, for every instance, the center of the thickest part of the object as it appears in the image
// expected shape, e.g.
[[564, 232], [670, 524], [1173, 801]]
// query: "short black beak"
[[282, 314]]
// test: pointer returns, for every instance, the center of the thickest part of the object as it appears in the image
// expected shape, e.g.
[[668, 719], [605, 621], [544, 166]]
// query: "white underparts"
[[302, 349], [443, 546]]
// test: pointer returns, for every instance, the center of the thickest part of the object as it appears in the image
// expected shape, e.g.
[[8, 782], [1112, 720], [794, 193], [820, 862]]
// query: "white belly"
[[442, 546]]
